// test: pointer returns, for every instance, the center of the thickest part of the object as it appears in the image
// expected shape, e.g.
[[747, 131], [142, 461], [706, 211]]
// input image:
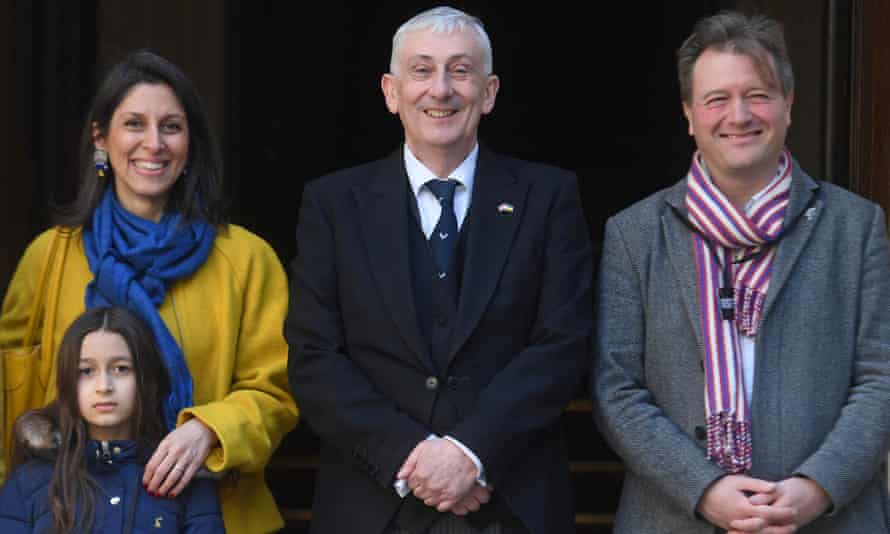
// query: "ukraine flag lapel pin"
[[505, 207]]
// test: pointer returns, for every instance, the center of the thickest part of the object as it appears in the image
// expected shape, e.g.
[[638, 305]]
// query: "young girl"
[[110, 383]]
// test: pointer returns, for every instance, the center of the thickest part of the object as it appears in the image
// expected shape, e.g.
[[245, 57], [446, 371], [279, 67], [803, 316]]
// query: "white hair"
[[445, 20]]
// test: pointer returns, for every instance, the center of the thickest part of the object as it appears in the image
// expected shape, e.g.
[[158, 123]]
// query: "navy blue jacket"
[[24, 504]]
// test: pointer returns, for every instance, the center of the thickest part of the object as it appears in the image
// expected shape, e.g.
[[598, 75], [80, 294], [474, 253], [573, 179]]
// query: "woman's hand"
[[178, 458]]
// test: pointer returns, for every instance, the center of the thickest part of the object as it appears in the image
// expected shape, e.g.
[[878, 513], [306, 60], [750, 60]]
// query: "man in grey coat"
[[743, 362]]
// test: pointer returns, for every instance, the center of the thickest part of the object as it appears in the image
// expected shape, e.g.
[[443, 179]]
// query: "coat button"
[[700, 433], [443, 320], [432, 383], [114, 501]]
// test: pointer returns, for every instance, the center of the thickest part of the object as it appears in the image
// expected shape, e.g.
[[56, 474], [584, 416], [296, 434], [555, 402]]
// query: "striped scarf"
[[732, 251]]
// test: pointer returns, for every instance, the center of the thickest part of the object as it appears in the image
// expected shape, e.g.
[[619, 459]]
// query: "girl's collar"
[[110, 452]]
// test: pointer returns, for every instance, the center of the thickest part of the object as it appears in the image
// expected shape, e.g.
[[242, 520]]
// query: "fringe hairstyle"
[[757, 36]]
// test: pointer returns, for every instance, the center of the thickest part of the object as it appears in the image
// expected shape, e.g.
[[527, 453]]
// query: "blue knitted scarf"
[[134, 261]]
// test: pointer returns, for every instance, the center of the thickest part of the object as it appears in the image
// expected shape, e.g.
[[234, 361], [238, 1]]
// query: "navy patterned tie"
[[443, 240]]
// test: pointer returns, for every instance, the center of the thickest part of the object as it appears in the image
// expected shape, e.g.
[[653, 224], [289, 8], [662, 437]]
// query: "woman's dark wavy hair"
[[72, 489], [197, 194]]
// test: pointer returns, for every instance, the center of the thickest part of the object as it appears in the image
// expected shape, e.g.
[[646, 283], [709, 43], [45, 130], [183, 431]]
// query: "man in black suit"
[[440, 313]]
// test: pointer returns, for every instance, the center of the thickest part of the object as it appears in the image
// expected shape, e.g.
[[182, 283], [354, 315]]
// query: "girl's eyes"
[[118, 369]]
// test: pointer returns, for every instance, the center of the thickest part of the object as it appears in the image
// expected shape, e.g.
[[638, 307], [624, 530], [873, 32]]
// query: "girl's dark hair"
[[71, 488], [199, 192]]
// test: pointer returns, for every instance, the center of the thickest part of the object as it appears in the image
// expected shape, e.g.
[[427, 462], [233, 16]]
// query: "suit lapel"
[[490, 238], [384, 219], [678, 241], [800, 220]]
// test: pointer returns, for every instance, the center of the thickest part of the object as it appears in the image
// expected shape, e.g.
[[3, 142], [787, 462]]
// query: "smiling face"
[[106, 387], [738, 116], [147, 143], [440, 90]]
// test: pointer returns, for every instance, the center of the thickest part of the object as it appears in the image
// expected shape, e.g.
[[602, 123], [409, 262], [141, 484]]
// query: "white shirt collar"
[[783, 164], [419, 174]]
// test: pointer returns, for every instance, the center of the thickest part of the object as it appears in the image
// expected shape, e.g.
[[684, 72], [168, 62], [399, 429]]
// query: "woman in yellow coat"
[[147, 231]]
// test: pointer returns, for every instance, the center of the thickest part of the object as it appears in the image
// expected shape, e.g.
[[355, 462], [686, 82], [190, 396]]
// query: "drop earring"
[[100, 157]]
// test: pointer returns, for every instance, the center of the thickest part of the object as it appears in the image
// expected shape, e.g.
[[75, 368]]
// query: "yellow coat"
[[228, 318]]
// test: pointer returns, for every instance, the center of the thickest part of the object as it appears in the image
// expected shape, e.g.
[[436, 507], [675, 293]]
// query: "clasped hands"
[[741, 504], [443, 477]]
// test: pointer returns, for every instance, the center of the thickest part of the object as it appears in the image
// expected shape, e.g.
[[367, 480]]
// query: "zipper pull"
[[106, 452]]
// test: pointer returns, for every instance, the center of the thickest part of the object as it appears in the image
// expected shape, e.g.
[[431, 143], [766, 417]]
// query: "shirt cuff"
[[401, 487]]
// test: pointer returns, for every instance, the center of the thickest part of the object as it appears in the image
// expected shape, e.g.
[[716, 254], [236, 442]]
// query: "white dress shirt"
[[427, 204]]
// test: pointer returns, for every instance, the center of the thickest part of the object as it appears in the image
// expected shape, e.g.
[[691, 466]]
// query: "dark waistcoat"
[[435, 298]]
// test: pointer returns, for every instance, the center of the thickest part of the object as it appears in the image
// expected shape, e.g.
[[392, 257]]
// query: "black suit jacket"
[[360, 368]]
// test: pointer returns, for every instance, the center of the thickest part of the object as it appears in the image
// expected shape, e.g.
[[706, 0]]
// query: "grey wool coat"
[[821, 397]]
